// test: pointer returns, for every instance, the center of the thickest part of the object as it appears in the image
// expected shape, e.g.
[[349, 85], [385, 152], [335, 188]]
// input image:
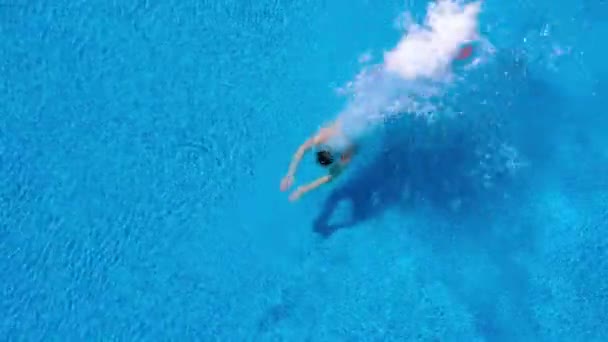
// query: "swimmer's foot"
[[286, 183]]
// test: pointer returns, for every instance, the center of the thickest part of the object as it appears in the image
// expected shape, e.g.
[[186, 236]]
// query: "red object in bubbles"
[[465, 52]]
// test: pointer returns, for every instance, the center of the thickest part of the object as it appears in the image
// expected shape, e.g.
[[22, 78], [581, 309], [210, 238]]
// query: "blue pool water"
[[142, 144]]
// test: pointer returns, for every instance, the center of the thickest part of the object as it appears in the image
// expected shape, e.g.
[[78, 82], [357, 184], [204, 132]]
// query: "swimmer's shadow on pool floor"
[[404, 175]]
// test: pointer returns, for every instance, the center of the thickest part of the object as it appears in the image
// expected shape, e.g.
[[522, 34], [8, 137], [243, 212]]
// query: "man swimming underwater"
[[334, 151]]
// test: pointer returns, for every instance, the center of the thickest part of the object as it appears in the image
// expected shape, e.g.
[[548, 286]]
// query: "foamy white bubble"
[[414, 71], [428, 50]]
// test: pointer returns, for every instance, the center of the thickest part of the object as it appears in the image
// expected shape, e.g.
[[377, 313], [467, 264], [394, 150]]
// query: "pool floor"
[[142, 145]]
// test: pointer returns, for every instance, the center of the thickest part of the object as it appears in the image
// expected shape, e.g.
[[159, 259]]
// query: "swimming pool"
[[142, 145]]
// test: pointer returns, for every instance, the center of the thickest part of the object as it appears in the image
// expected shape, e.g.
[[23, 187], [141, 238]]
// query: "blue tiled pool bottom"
[[141, 148]]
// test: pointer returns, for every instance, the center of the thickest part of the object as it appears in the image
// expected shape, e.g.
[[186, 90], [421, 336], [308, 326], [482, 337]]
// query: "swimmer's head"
[[324, 158]]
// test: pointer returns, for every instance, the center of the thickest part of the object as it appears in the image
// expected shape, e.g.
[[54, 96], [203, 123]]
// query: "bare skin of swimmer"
[[321, 137]]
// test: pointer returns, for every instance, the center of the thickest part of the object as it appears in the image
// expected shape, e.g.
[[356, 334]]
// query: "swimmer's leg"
[[309, 187]]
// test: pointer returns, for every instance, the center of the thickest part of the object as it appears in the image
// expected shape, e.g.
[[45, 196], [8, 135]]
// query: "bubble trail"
[[416, 70]]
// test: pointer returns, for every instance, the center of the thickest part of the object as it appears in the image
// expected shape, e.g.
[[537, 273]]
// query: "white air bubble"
[[416, 71]]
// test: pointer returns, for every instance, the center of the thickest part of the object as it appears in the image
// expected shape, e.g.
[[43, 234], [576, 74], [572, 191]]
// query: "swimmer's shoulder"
[[326, 132], [322, 135]]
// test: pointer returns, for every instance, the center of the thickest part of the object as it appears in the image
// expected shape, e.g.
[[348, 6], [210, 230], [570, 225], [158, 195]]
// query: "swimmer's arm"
[[315, 184], [298, 156], [311, 186]]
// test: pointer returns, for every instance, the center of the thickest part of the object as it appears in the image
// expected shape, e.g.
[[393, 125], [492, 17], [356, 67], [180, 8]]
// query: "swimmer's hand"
[[296, 195], [286, 182]]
